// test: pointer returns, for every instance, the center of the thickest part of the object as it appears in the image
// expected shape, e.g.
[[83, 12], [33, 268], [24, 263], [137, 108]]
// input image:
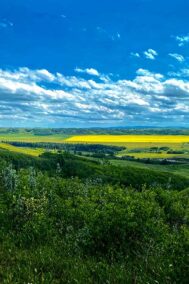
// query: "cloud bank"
[[41, 97]]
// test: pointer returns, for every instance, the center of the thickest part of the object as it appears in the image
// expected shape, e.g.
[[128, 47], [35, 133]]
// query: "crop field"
[[138, 146], [27, 137], [164, 139]]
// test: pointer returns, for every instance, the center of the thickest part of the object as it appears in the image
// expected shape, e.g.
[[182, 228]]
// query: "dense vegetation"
[[72, 147], [73, 166], [82, 131], [66, 219]]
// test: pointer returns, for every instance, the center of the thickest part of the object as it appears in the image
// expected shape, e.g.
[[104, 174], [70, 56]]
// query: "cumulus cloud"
[[182, 73], [150, 54], [135, 54], [147, 73], [42, 96], [89, 71], [182, 40], [178, 57]]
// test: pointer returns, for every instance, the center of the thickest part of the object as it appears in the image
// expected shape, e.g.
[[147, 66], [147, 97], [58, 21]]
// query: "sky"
[[97, 63]]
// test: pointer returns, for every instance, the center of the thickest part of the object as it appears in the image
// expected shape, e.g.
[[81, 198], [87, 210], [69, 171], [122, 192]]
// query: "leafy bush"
[[91, 228]]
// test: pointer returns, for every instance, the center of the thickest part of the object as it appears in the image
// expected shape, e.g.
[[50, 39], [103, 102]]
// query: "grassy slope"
[[23, 150], [182, 170], [28, 137]]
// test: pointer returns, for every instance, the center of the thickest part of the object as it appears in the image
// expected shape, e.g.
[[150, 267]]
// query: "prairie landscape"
[[98, 197], [139, 146], [94, 142]]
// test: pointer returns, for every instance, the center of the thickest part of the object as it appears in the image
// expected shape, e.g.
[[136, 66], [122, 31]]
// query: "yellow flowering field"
[[167, 139]]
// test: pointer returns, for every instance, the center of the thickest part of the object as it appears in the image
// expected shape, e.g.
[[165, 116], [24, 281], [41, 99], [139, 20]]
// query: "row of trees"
[[94, 148], [87, 131]]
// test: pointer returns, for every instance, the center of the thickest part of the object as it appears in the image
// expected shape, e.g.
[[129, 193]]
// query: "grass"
[[182, 170], [29, 137], [162, 155], [158, 155], [23, 150]]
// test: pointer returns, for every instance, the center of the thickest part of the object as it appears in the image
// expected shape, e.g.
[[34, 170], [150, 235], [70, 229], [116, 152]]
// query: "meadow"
[[30, 137], [24, 150]]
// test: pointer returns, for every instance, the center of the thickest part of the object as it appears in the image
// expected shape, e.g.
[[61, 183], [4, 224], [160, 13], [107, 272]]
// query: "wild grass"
[[23, 150], [179, 169], [29, 137]]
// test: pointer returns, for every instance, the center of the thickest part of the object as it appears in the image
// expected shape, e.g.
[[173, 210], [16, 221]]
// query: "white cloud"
[[178, 57], [39, 95], [135, 54], [150, 54], [115, 36], [184, 72], [89, 71], [182, 40], [145, 72]]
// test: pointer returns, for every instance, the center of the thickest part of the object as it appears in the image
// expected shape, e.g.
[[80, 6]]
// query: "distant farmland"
[[138, 146], [173, 139]]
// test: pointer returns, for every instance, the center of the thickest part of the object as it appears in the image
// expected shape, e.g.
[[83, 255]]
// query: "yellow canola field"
[[129, 139]]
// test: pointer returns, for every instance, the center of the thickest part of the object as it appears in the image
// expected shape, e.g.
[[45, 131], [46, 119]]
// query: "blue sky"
[[94, 63]]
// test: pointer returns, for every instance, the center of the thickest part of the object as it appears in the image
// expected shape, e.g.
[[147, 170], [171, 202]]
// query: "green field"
[[142, 150], [182, 169], [24, 150], [137, 146], [27, 137]]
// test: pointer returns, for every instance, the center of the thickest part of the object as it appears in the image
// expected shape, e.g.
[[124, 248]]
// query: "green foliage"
[[69, 220], [94, 148], [82, 131], [72, 166]]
